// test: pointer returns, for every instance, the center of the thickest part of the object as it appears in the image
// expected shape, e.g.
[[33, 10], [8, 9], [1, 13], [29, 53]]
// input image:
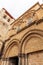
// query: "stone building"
[[23, 42]]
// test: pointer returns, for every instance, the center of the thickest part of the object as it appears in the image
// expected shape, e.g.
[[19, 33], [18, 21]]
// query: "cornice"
[[26, 19]]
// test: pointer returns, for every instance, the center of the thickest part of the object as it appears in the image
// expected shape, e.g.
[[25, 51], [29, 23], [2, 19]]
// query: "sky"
[[17, 7]]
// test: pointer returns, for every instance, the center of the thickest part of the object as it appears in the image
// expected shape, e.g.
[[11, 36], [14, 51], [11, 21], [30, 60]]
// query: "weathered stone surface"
[[24, 38]]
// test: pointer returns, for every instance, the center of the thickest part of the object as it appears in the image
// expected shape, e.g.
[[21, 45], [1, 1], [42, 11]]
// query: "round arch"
[[12, 49], [35, 35]]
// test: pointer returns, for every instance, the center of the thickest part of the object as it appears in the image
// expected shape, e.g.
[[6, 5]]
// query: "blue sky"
[[17, 7]]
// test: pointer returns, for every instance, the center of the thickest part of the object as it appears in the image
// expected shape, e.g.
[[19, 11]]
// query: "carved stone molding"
[[11, 49], [36, 35]]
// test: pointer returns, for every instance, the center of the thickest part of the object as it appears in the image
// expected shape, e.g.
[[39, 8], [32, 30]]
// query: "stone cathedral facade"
[[21, 40]]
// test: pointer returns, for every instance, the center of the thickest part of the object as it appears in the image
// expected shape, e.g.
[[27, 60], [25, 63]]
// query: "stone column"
[[26, 61], [19, 60], [4, 62], [7, 61], [23, 59]]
